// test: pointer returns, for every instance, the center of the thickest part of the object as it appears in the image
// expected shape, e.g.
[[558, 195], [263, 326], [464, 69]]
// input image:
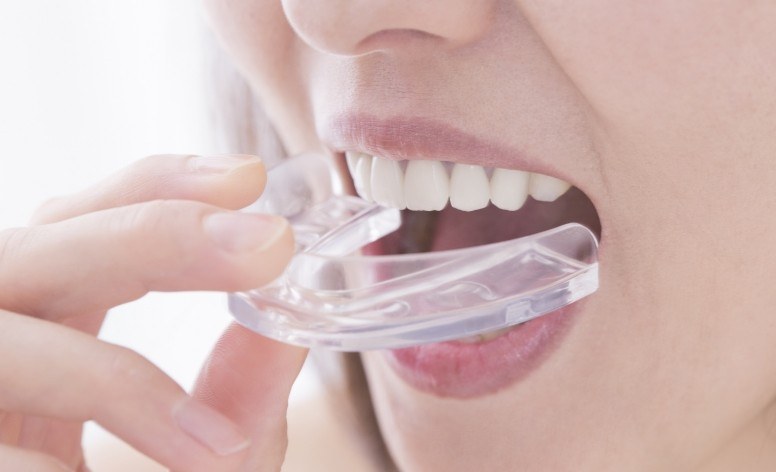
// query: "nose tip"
[[351, 27]]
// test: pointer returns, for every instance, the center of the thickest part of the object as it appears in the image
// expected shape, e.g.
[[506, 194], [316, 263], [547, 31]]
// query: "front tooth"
[[426, 185], [361, 170], [469, 187], [352, 157], [509, 188], [479, 338], [387, 183], [545, 188]]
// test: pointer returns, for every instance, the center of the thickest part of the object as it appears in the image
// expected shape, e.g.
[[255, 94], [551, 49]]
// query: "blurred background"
[[88, 86]]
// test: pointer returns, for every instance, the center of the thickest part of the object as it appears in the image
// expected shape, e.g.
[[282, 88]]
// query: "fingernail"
[[209, 427], [243, 232], [221, 164]]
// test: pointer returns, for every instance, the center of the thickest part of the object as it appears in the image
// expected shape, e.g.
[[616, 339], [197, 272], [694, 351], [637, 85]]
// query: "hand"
[[162, 224]]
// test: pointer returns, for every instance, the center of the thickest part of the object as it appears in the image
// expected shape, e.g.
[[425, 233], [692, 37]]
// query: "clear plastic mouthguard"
[[331, 296]]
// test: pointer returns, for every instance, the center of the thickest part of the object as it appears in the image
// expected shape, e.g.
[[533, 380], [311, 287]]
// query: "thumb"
[[248, 378]]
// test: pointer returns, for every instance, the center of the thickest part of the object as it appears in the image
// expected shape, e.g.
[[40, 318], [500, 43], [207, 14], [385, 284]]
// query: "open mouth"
[[455, 205], [459, 190]]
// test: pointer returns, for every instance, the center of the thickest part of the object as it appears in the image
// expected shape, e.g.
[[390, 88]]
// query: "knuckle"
[[159, 233], [125, 366], [146, 217], [156, 217]]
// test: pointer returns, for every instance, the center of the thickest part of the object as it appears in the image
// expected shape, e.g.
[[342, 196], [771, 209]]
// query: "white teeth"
[[545, 188], [387, 183], [426, 185], [360, 166], [352, 159], [479, 338], [469, 187], [509, 188]]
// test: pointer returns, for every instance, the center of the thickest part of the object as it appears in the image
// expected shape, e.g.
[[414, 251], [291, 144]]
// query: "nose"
[[352, 27]]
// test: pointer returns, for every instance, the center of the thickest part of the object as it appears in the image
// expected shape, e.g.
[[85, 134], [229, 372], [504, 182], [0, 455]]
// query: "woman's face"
[[663, 113]]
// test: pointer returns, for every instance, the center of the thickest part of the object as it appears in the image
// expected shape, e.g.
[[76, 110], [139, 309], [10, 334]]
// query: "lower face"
[[667, 138]]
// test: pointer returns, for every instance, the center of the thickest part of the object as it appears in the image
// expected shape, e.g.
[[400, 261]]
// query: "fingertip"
[[234, 181], [246, 185], [229, 181], [274, 258]]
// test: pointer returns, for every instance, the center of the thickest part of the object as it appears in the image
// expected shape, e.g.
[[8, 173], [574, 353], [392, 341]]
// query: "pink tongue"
[[456, 229]]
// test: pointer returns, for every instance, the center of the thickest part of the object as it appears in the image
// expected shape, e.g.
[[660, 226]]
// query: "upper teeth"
[[427, 185]]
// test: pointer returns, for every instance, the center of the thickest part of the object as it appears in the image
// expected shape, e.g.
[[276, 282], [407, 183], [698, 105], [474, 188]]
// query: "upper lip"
[[400, 138]]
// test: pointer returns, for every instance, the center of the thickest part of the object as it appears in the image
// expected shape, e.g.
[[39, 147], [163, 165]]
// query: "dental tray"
[[332, 296]]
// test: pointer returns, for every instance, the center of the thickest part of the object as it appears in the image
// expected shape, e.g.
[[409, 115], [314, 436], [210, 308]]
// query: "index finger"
[[230, 181]]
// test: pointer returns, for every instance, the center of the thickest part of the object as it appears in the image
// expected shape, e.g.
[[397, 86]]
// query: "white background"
[[85, 88]]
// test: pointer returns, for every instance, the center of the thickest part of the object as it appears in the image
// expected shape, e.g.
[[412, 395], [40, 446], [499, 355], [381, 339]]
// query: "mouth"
[[456, 191]]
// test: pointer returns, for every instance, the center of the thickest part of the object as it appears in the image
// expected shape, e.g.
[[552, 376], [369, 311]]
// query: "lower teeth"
[[479, 338]]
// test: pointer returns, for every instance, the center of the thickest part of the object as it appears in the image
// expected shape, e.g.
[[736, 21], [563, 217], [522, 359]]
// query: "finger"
[[96, 261], [228, 181], [248, 378], [52, 371], [13, 458], [59, 439]]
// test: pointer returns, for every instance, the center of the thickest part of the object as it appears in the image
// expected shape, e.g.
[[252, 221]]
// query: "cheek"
[[254, 33], [632, 59], [684, 109], [672, 84], [685, 115], [257, 37]]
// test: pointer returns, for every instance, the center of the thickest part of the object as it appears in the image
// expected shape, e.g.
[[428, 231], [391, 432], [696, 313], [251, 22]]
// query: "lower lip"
[[456, 369]]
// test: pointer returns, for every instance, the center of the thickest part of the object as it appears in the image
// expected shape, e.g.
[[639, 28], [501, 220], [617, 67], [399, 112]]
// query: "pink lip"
[[460, 370], [401, 138]]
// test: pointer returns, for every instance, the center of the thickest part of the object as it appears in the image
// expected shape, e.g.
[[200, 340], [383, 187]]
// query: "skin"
[[149, 227], [664, 114]]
